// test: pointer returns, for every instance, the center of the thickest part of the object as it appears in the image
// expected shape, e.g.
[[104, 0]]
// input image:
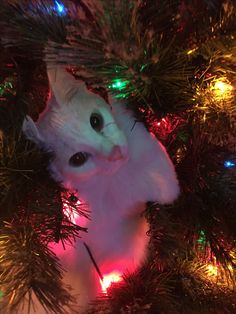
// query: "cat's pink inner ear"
[[63, 84]]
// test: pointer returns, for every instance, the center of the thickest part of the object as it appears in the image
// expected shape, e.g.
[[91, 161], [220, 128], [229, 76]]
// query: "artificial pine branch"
[[113, 47], [24, 269], [183, 287], [32, 204], [26, 16]]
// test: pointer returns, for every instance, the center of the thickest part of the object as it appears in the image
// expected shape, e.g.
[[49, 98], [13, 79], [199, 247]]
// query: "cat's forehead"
[[87, 102]]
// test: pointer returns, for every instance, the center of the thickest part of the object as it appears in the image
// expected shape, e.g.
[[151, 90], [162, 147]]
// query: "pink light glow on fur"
[[110, 278]]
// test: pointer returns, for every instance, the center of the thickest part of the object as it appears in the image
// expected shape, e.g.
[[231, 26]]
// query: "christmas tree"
[[173, 63]]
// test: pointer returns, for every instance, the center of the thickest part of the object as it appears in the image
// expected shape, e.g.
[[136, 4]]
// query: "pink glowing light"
[[72, 215], [109, 279], [65, 248], [68, 211]]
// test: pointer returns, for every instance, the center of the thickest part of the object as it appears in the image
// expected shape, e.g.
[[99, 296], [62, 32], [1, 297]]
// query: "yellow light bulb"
[[189, 52], [221, 89], [212, 270]]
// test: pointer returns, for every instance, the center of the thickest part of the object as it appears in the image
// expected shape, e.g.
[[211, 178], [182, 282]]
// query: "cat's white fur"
[[115, 190]]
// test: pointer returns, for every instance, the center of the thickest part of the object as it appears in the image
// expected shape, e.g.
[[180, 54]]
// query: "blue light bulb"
[[229, 164], [60, 7]]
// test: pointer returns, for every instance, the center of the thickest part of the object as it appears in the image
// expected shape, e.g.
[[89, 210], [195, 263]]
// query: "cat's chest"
[[115, 241], [115, 235]]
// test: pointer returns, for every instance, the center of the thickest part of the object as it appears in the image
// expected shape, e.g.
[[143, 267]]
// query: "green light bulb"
[[202, 237], [118, 84]]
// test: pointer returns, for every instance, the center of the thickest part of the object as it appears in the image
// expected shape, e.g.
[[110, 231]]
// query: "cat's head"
[[79, 127]]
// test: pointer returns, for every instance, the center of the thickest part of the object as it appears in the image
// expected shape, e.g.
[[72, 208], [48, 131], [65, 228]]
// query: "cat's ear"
[[31, 131], [63, 84]]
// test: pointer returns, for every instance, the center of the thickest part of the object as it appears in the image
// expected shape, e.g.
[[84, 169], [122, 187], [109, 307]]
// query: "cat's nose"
[[116, 154]]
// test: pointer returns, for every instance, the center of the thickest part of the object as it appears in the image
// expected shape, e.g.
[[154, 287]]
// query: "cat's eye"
[[96, 121], [78, 159]]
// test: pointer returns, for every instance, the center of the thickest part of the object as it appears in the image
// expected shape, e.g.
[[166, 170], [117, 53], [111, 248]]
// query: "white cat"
[[115, 165]]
